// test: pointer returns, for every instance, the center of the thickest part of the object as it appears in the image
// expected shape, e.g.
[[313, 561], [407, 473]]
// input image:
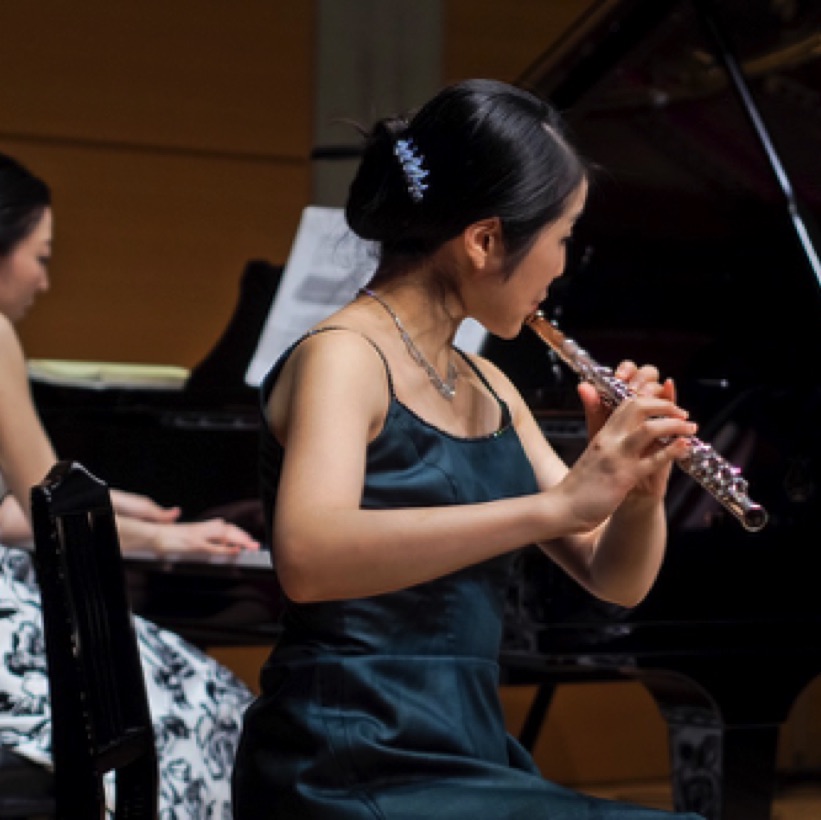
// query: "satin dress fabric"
[[388, 706]]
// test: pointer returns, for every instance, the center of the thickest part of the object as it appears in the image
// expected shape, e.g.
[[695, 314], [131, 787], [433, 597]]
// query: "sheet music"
[[102, 375], [327, 265]]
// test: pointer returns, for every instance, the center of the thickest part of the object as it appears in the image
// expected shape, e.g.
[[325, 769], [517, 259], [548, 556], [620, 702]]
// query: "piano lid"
[[691, 251], [646, 87]]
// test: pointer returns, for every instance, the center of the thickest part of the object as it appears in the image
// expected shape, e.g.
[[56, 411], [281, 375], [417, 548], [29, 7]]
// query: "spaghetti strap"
[[270, 378], [368, 339], [506, 417]]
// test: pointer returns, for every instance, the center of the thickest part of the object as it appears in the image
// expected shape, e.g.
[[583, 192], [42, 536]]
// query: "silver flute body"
[[720, 478]]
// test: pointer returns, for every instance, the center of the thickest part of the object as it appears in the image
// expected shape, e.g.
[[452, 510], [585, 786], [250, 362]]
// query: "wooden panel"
[[191, 74], [485, 38], [244, 661], [800, 742], [175, 137], [595, 732], [149, 248]]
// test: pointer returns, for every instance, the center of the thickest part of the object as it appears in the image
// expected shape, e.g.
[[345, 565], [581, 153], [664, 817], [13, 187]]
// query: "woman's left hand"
[[212, 537], [134, 505]]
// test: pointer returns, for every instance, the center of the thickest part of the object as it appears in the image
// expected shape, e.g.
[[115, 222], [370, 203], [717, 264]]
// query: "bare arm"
[[619, 559], [200, 538], [14, 526], [135, 505], [26, 456], [330, 400]]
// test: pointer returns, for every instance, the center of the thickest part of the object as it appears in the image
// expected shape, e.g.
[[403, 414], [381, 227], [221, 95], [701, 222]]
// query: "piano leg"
[[722, 772], [536, 714], [723, 744], [748, 766]]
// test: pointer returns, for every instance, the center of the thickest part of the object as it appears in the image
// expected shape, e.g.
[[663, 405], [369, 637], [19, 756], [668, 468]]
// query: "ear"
[[483, 242]]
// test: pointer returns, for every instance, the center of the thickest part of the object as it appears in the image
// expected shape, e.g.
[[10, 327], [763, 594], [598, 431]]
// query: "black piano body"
[[193, 443], [696, 253]]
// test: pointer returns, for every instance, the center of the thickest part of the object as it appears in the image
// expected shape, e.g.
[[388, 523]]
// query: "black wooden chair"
[[26, 789], [100, 714]]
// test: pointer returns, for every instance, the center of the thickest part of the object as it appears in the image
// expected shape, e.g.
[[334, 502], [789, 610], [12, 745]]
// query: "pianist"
[[400, 475], [196, 703]]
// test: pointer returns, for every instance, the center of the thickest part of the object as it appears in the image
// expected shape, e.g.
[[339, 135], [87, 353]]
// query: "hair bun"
[[379, 205], [477, 149]]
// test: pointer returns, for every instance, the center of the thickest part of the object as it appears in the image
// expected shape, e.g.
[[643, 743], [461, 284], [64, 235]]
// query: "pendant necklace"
[[447, 386]]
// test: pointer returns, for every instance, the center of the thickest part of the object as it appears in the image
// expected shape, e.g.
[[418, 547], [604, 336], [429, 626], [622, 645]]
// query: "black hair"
[[23, 199], [490, 150]]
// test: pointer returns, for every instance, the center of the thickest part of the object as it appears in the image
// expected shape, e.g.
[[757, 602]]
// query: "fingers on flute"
[[644, 380]]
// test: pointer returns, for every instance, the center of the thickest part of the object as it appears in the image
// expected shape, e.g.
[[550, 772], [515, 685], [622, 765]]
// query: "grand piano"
[[697, 253]]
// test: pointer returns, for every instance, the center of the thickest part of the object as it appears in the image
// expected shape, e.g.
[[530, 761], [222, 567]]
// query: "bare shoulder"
[[15, 392], [330, 370], [338, 348]]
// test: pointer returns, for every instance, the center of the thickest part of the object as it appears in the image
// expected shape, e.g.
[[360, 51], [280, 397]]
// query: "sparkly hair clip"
[[411, 162]]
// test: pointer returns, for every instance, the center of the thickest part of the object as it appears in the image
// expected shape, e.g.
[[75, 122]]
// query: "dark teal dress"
[[387, 706]]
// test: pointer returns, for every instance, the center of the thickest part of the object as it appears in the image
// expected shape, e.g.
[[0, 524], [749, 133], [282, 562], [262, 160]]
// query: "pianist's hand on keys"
[[145, 525]]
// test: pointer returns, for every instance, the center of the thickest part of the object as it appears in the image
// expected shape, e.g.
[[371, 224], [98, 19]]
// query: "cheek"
[[558, 252], [30, 277], [555, 261], [548, 264], [16, 292]]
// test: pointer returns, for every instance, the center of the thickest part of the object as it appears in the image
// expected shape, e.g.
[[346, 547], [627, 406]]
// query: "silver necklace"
[[446, 386]]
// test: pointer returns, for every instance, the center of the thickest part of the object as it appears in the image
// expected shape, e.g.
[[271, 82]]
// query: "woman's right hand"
[[212, 537], [641, 438]]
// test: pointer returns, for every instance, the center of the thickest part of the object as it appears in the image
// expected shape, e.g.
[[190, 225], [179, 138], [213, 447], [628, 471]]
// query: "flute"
[[720, 478]]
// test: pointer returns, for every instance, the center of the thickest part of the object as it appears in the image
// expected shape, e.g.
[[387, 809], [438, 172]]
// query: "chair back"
[[101, 720]]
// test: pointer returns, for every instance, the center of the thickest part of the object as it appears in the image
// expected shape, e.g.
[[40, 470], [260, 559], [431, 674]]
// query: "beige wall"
[[175, 137], [500, 40]]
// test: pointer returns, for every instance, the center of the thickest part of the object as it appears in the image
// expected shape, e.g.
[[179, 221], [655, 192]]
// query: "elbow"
[[627, 598], [629, 601], [296, 584], [618, 588], [297, 590], [297, 576]]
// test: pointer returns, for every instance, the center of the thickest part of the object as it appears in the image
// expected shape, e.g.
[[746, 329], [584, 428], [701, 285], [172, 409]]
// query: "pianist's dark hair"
[[490, 150], [23, 198]]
